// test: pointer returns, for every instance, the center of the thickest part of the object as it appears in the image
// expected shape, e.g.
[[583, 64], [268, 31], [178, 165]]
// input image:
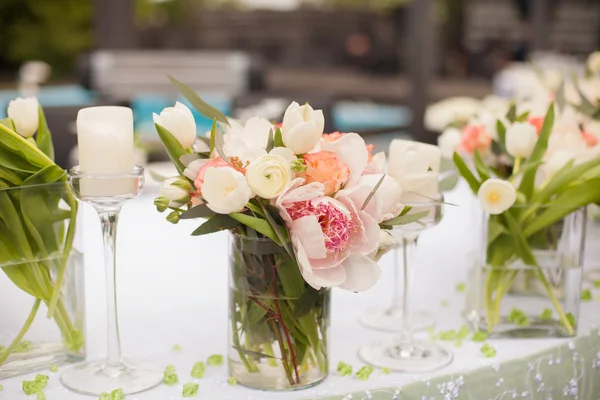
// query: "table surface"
[[172, 290]]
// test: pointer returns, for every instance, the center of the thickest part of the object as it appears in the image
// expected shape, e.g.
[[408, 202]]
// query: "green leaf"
[[448, 181], [157, 177], [291, 278], [561, 100], [254, 353], [523, 117], [203, 107], [174, 149], [213, 131], [501, 130], [511, 115], [258, 224], [482, 169], [219, 222], [278, 140], [466, 173], [187, 159], [19, 146], [44, 137], [7, 122], [576, 197], [270, 141], [306, 302], [521, 245], [404, 219], [528, 182], [370, 196], [199, 211]]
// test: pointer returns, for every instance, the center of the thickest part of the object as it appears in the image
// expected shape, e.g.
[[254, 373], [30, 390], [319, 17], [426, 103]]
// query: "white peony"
[[521, 138], [180, 122], [25, 115], [176, 190], [449, 142], [496, 195], [302, 128], [269, 175], [225, 190]]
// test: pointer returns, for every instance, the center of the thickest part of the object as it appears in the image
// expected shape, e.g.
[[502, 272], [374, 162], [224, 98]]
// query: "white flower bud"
[[25, 115]]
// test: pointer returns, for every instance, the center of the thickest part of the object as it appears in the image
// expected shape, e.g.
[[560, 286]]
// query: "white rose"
[[449, 141], [593, 62], [269, 175], [556, 162], [176, 190], [497, 195], [521, 138], [302, 128], [408, 157], [225, 190], [179, 121], [25, 115]]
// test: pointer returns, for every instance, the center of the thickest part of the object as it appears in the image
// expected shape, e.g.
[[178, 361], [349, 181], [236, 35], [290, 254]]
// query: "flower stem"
[[284, 360], [563, 318], [22, 332]]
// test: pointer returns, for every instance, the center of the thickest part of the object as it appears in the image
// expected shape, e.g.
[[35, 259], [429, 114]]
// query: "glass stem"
[[397, 294], [409, 245], [109, 220]]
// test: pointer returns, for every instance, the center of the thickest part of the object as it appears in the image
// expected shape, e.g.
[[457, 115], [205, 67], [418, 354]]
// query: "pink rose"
[[325, 167], [474, 137], [215, 162]]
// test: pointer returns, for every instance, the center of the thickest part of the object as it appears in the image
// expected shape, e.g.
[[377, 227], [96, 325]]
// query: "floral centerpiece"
[[37, 231], [306, 212]]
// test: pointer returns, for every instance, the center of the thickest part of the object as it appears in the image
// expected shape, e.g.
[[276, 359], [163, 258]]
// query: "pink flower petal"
[[351, 150], [308, 231], [362, 273]]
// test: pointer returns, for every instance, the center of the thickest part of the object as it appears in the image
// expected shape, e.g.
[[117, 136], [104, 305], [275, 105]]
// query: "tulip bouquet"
[[533, 223], [307, 211], [37, 222]]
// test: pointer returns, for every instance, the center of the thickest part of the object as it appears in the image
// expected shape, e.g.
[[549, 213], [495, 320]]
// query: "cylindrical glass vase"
[[41, 279], [278, 323], [528, 284]]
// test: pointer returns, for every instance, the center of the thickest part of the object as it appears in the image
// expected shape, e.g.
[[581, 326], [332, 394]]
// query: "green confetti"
[[344, 369], [463, 333], [1, 387], [169, 376], [42, 380], [479, 336], [177, 348], [385, 371], [105, 396], [518, 317], [22, 347], [461, 287], [364, 373], [190, 389], [445, 303], [215, 360], [586, 295], [458, 343], [53, 368], [198, 370], [117, 394], [231, 381], [40, 396], [31, 387], [488, 351], [546, 314], [448, 335], [597, 284]]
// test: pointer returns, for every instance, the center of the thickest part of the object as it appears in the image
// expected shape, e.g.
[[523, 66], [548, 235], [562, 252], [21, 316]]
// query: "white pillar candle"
[[105, 139]]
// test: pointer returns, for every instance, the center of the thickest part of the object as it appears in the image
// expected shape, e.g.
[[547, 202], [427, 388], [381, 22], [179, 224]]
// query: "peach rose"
[[216, 162], [474, 137], [332, 137], [325, 167]]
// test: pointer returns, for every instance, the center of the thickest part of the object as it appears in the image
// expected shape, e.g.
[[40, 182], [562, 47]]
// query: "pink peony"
[[326, 167], [332, 237], [215, 162], [474, 137]]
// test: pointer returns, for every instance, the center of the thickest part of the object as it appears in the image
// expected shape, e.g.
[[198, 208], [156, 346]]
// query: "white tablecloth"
[[172, 290]]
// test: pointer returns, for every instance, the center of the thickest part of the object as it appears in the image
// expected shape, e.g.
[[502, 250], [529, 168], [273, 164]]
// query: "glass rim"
[[544, 206], [76, 172], [253, 239]]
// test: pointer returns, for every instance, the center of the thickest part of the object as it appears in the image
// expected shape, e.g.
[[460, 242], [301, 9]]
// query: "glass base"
[[390, 320], [94, 377], [273, 379], [40, 357], [413, 357]]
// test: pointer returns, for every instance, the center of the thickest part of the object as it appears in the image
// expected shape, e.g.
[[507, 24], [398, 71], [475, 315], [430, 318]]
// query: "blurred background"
[[371, 65]]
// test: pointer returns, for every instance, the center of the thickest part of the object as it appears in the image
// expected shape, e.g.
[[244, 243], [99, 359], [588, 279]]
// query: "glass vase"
[[41, 279], [530, 284], [278, 323]]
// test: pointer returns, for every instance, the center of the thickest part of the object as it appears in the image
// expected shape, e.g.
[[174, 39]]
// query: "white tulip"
[[521, 138], [593, 62], [191, 171], [497, 195], [269, 175], [449, 142], [302, 128], [180, 122], [377, 164], [226, 190], [176, 190], [438, 117], [556, 162], [24, 113], [407, 158]]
